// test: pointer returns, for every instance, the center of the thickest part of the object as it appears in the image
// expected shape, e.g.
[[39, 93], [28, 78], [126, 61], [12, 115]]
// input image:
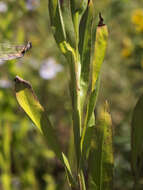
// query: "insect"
[[13, 51]]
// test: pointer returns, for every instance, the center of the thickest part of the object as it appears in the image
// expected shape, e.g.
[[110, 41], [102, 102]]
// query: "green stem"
[[81, 180]]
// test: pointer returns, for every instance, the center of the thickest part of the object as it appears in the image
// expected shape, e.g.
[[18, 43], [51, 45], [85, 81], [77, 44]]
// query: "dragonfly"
[[13, 51]]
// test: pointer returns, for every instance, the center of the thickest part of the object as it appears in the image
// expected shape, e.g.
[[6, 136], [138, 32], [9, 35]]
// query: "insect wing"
[[10, 56], [13, 51], [10, 48]]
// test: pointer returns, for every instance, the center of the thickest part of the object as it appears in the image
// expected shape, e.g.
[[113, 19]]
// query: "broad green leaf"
[[30, 104], [85, 50], [137, 138], [101, 154], [68, 23], [98, 57], [99, 50], [56, 20]]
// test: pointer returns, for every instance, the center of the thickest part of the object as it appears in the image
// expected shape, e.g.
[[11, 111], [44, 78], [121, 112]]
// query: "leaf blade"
[[56, 20], [30, 104], [101, 155], [99, 50]]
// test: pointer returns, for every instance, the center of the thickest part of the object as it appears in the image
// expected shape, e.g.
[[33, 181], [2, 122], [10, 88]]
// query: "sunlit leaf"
[[99, 50], [98, 57], [30, 104]]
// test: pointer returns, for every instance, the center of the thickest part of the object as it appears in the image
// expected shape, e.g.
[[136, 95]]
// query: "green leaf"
[[137, 138], [98, 57], [101, 154], [78, 6], [56, 20], [74, 92], [71, 151], [85, 50], [86, 143], [30, 104], [99, 50], [68, 23], [70, 178], [89, 121], [81, 180]]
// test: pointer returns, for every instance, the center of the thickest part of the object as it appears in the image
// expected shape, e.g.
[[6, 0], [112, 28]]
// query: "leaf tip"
[[21, 84], [101, 20], [19, 80]]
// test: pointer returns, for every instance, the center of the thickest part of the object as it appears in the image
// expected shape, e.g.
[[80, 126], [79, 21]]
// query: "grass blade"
[[69, 174]]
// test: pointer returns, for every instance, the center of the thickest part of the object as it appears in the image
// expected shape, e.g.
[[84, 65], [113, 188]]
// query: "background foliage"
[[25, 160]]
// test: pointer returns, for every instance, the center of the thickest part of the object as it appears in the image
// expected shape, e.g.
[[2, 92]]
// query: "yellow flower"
[[126, 52], [137, 19], [127, 47]]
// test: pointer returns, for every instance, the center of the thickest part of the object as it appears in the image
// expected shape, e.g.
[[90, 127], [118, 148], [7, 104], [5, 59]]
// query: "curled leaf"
[[30, 104]]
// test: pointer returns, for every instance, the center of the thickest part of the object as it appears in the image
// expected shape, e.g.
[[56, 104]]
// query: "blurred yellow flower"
[[126, 52], [137, 19], [127, 47]]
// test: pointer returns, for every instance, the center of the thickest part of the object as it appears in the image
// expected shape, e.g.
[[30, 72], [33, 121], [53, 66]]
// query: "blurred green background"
[[26, 163]]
